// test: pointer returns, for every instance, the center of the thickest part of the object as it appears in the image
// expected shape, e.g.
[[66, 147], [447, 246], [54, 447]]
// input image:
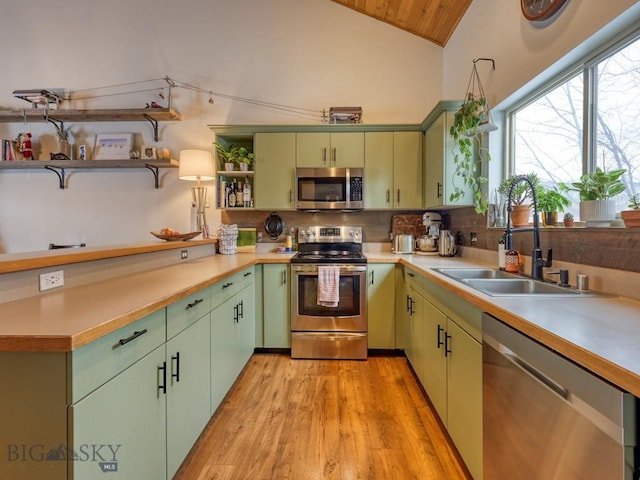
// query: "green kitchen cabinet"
[[276, 305], [435, 381], [415, 346], [381, 305], [120, 428], [393, 170], [275, 164], [188, 390], [407, 169], [330, 149], [439, 173], [232, 331]]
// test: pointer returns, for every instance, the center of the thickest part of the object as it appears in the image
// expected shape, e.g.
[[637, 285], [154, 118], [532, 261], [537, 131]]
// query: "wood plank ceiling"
[[434, 20]]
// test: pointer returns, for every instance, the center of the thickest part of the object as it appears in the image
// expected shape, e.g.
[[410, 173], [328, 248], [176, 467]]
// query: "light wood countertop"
[[600, 333]]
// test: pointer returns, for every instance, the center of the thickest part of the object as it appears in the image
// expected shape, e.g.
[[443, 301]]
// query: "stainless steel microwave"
[[330, 188]]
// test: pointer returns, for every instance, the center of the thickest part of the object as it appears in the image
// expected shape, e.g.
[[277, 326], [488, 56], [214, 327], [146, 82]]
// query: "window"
[[548, 130]]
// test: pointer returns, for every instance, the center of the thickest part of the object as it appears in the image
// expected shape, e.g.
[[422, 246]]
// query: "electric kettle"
[[447, 244]]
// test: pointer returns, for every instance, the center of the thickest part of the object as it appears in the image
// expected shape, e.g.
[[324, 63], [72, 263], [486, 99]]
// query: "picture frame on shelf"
[[148, 153], [112, 146]]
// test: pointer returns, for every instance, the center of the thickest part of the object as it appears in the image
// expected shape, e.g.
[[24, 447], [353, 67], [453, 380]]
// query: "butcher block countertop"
[[600, 333]]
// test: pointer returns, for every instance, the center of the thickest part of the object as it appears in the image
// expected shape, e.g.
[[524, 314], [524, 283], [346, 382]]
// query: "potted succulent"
[[568, 219], [596, 190], [632, 217], [550, 202], [469, 125], [234, 155], [521, 198]]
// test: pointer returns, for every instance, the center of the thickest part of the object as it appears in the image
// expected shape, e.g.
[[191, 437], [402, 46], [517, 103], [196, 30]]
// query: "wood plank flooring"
[[323, 420]]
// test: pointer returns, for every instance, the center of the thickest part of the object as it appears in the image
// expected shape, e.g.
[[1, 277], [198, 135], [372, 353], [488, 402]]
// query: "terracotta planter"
[[520, 215], [549, 219], [568, 223], [631, 218]]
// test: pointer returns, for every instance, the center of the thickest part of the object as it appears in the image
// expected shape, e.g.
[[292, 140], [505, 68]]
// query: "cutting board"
[[408, 224]]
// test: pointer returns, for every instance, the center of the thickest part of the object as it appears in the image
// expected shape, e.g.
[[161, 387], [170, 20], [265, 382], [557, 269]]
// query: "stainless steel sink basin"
[[498, 283], [467, 273], [517, 286]]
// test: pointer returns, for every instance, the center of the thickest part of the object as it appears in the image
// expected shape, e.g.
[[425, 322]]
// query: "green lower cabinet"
[[120, 428], [188, 390], [435, 381], [232, 341], [381, 305], [415, 345], [276, 305]]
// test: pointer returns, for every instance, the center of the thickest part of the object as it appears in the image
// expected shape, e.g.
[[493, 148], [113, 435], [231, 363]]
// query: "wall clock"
[[537, 10]]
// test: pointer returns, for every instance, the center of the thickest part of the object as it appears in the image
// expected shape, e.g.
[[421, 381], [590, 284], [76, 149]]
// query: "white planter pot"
[[598, 213]]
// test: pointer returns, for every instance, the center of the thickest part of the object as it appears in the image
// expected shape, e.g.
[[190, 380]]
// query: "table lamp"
[[197, 165]]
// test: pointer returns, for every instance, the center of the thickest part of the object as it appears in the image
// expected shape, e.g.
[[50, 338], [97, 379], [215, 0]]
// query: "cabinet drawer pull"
[[440, 342], [447, 344], [175, 375], [228, 284], [136, 334], [162, 378], [191, 305], [247, 274]]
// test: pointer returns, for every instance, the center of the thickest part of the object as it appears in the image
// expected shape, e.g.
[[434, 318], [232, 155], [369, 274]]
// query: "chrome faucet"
[[537, 262]]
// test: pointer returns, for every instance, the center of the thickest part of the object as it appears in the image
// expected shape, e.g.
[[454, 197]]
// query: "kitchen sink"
[[498, 283], [468, 273]]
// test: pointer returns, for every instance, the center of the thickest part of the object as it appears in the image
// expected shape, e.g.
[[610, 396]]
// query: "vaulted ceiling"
[[434, 20]]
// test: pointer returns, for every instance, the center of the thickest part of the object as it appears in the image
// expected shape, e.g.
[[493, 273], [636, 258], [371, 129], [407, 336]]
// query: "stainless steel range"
[[329, 263]]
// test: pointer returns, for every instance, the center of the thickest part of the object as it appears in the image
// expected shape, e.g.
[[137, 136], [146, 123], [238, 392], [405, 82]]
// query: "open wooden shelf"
[[27, 115]]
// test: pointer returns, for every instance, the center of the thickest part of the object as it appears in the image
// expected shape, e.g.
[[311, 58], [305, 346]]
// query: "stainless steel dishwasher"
[[544, 417]]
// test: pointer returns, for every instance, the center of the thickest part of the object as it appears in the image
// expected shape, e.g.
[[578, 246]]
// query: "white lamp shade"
[[196, 165]]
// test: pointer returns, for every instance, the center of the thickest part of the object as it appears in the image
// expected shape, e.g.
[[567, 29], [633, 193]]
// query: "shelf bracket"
[[59, 171], [155, 171], [154, 125], [59, 124]]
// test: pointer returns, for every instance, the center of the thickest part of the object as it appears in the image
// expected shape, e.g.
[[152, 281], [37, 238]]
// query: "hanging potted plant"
[[521, 198], [632, 217], [596, 190], [470, 123], [550, 202]]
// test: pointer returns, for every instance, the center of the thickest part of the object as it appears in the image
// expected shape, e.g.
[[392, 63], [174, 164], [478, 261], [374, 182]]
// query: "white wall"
[[313, 54]]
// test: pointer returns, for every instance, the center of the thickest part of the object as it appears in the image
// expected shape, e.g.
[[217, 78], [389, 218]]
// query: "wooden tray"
[[176, 238]]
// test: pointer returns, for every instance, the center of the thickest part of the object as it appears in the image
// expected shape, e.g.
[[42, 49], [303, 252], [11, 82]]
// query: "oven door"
[[350, 314]]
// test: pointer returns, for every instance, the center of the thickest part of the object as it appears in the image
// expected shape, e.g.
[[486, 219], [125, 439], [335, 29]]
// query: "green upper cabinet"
[[393, 170], [275, 165], [378, 164], [330, 149], [407, 169], [439, 173]]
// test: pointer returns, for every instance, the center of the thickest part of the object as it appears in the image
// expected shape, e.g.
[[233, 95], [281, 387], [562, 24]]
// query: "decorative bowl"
[[175, 238]]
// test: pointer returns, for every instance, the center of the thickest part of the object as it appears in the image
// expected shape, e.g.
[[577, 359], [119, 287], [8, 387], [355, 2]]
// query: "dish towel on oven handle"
[[328, 285]]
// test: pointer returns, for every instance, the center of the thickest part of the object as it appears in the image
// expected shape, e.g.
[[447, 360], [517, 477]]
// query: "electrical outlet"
[[184, 254], [51, 280]]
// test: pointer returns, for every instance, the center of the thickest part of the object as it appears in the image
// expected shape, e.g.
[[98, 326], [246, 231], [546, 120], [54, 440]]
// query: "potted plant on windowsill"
[[520, 208], [550, 202], [632, 217], [596, 190], [568, 219]]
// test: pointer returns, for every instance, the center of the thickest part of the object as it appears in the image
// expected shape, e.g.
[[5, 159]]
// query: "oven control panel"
[[330, 234]]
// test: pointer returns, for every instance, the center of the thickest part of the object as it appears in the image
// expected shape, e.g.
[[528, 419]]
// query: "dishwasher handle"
[[538, 375]]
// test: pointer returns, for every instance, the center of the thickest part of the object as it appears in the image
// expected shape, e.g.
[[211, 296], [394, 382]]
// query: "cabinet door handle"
[[408, 307], [241, 309], [284, 276], [162, 379], [124, 341], [388, 195], [335, 156], [324, 156], [193, 304], [447, 344], [440, 330], [372, 277], [398, 196], [227, 285], [235, 313], [175, 374], [439, 190], [290, 196]]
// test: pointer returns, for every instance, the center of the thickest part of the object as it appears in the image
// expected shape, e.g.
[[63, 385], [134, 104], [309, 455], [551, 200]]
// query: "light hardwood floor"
[[323, 420]]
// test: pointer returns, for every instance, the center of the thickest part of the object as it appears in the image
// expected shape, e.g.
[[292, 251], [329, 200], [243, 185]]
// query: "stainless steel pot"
[[403, 243], [427, 243]]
